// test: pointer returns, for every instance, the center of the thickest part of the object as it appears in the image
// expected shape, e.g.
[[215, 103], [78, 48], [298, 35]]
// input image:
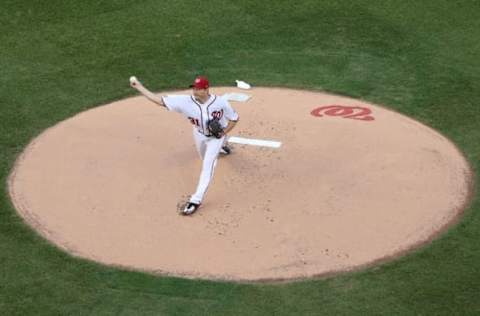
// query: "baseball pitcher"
[[212, 118]]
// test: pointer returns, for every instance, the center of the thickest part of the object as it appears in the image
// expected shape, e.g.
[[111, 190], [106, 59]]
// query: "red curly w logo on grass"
[[350, 112]]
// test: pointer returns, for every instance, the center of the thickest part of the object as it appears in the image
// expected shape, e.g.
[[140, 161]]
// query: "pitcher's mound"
[[352, 183]]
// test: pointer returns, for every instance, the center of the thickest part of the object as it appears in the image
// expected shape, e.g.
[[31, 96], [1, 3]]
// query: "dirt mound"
[[352, 183]]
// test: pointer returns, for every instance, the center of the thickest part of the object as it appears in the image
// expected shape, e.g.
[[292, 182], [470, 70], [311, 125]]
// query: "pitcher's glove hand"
[[215, 128]]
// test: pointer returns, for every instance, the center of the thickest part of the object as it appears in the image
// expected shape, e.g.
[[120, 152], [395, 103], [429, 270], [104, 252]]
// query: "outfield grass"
[[57, 58]]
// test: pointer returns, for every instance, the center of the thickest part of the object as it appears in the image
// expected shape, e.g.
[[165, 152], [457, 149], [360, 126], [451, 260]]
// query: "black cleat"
[[225, 150], [190, 208]]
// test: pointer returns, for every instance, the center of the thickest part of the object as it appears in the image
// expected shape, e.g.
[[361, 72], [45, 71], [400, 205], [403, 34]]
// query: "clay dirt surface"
[[351, 184]]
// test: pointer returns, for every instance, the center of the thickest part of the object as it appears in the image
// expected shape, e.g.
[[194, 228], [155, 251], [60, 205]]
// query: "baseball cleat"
[[225, 150], [190, 208]]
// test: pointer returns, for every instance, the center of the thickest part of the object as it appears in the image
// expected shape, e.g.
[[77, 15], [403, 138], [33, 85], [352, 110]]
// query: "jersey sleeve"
[[230, 112], [176, 103]]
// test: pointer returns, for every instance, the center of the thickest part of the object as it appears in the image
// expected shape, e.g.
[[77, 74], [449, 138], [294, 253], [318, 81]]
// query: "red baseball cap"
[[200, 83]]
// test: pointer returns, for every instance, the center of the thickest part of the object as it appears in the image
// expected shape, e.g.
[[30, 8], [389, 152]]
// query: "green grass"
[[57, 58]]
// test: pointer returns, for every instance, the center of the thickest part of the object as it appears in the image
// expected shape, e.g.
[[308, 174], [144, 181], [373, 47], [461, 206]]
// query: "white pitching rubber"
[[254, 142]]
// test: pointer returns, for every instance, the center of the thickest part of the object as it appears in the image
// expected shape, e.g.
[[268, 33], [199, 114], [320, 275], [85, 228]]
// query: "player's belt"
[[206, 135]]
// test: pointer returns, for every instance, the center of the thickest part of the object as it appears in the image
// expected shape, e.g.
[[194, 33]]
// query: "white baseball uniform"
[[208, 146]]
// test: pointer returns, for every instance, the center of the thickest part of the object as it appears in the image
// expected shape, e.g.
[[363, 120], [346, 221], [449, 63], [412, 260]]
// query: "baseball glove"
[[215, 128]]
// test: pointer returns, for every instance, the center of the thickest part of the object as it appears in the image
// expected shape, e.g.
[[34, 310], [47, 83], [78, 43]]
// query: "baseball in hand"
[[133, 80]]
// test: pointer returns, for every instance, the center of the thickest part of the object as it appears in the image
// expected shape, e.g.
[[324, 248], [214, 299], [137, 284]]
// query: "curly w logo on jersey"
[[217, 114]]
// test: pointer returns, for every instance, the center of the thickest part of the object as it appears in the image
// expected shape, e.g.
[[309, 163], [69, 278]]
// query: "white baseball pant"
[[208, 148]]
